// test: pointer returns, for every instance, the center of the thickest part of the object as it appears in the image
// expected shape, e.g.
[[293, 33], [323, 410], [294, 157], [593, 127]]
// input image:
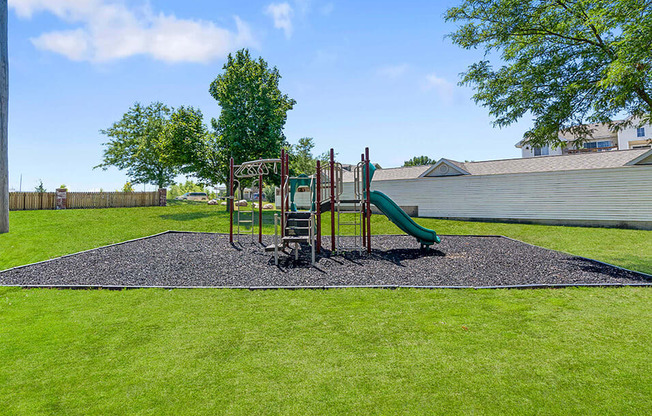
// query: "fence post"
[[62, 198], [162, 197]]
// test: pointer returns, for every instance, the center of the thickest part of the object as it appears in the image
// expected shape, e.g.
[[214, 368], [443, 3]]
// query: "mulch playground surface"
[[175, 259]]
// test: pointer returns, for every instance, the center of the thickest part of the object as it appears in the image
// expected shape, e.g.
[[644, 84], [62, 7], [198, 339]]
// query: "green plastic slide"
[[399, 217], [402, 219]]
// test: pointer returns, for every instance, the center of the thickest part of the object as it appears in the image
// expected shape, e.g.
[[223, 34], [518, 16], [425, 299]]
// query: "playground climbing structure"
[[350, 216]]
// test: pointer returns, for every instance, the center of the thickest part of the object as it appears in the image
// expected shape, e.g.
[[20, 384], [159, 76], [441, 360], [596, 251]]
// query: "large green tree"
[[564, 62], [253, 110], [135, 145], [188, 144]]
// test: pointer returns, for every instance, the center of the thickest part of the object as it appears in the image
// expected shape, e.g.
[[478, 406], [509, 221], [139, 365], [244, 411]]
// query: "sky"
[[377, 73]]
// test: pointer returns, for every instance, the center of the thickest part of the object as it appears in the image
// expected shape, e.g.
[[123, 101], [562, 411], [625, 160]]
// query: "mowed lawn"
[[40, 235], [346, 351]]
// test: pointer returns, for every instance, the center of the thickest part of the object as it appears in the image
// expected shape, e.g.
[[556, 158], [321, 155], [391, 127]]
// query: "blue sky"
[[364, 73]]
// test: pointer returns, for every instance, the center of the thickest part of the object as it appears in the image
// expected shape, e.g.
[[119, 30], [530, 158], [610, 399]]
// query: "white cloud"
[[393, 71], [440, 85], [282, 14], [109, 30]]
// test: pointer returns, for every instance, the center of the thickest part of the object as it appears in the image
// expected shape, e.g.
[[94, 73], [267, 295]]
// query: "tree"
[[566, 62], [127, 187], [419, 161], [301, 158], [4, 104], [40, 188], [136, 145], [254, 111], [188, 144], [189, 186]]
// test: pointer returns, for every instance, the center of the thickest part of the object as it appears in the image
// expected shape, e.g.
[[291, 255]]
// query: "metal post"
[[332, 168], [363, 214], [230, 201], [318, 206], [4, 114], [282, 194], [287, 175], [260, 208], [276, 239], [368, 205]]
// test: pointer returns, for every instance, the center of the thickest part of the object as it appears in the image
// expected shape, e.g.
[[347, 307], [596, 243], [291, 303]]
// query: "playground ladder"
[[353, 206], [248, 222]]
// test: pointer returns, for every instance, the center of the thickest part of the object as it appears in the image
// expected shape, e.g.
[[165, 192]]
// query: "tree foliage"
[[254, 111], [565, 62], [40, 188], [178, 189], [419, 161], [136, 145], [127, 187], [301, 158], [188, 144]]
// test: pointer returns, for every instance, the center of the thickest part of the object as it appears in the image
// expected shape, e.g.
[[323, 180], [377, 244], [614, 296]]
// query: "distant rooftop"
[[598, 160]]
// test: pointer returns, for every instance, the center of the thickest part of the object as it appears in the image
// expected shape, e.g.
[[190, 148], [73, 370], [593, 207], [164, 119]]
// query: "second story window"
[[640, 132], [541, 151]]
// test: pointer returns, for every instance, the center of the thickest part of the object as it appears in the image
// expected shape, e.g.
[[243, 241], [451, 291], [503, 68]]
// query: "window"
[[640, 132], [541, 151], [598, 145]]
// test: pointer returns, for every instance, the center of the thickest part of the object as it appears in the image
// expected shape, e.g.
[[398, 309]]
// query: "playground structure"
[[326, 188]]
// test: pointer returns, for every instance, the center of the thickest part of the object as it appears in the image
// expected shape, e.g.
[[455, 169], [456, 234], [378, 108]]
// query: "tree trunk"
[[4, 102]]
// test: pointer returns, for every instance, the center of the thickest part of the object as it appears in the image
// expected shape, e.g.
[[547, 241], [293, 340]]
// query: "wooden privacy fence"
[[19, 201], [48, 200]]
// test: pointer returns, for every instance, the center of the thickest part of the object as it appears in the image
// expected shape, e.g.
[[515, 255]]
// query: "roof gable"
[[445, 167], [644, 159]]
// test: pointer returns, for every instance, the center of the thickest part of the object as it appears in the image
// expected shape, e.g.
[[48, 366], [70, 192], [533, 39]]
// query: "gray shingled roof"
[[392, 174], [597, 160]]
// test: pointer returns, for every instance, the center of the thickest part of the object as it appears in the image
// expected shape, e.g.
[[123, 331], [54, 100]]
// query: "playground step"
[[295, 232], [270, 247], [299, 215], [291, 239]]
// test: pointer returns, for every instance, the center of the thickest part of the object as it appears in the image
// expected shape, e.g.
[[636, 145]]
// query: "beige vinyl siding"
[[616, 194]]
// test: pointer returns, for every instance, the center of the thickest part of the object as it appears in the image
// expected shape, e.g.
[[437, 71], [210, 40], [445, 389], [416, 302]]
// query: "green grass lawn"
[[349, 351], [40, 235]]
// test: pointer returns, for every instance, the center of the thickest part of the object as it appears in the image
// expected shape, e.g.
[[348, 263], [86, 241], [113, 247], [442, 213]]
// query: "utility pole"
[[4, 113]]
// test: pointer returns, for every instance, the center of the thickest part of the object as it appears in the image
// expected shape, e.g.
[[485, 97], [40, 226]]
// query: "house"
[[596, 188], [602, 138]]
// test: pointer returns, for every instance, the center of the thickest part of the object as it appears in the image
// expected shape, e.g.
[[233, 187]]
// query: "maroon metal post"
[[230, 203], [368, 182], [281, 188], [318, 206], [287, 175], [364, 212], [332, 167], [260, 208]]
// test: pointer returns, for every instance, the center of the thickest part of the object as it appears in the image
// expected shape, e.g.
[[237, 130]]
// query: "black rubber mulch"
[[198, 259]]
